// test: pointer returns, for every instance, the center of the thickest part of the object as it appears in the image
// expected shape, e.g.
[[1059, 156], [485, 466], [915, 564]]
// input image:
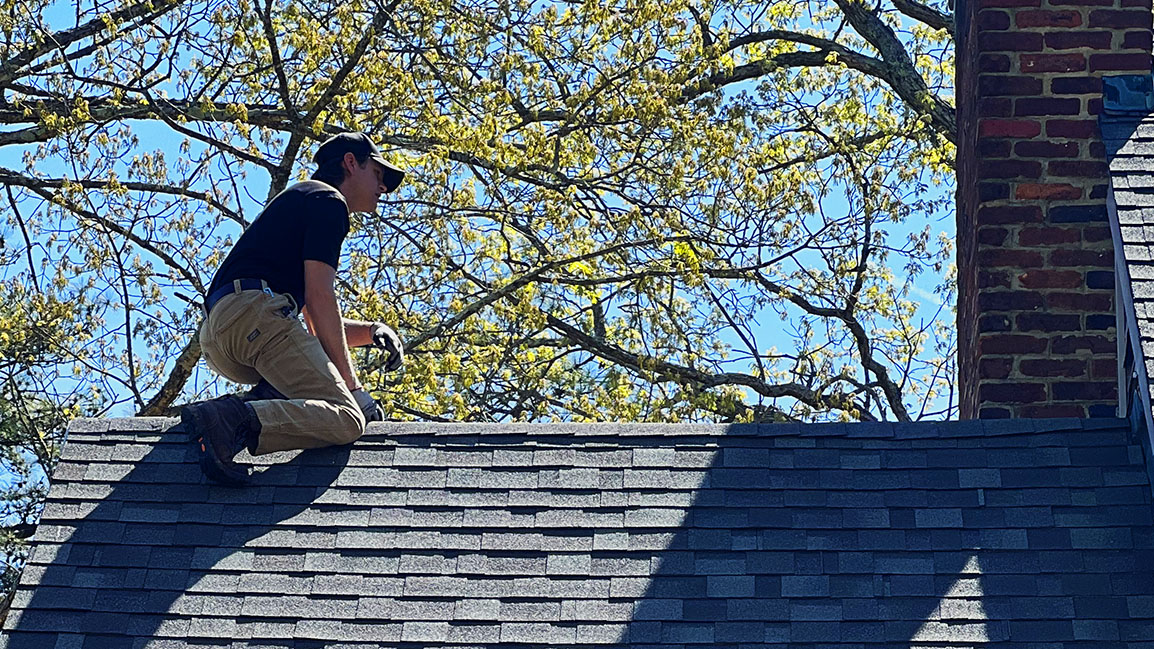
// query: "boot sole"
[[212, 468]]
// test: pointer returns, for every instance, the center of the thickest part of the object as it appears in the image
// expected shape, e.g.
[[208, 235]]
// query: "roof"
[[1020, 532], [1128, 134]]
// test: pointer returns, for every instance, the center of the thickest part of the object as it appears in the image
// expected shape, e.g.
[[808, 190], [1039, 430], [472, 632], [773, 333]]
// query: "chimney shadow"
[[847, 535]]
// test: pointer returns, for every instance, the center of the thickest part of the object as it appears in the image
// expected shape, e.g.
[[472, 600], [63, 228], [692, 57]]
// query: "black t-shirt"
[[306, 221]]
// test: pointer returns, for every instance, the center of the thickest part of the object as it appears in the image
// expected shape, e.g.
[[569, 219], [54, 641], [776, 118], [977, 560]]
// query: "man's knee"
[[354, 424]]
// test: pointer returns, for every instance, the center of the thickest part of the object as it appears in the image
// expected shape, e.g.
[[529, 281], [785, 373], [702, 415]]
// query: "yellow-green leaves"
[[612, 208]]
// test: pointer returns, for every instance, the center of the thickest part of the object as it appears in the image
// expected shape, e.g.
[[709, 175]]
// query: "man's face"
[[363, 185]]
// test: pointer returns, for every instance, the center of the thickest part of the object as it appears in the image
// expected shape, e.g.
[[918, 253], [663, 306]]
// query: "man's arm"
[[325, 315], [358, 333]]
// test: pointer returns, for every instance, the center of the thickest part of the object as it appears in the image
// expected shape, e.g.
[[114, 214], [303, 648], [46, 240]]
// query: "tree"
[[36, 333], [607, 206]]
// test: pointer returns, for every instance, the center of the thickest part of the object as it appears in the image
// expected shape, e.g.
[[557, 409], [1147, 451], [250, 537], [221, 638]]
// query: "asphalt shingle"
[[639, 535]]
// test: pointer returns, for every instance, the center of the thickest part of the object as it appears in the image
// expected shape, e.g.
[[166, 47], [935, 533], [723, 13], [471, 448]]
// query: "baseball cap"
[[359, 145]]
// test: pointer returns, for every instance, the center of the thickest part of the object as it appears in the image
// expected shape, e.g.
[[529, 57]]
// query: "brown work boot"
[[221, 428]]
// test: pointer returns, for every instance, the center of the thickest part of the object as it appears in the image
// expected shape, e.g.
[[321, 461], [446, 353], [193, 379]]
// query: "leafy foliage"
[[675, 210], [35, 332]]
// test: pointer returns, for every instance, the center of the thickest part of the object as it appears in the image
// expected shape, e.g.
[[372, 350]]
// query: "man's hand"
[[368, 405], [388, 340]]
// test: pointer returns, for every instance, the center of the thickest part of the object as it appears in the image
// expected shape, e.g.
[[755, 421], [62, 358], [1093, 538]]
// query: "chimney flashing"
[[1127, 94]]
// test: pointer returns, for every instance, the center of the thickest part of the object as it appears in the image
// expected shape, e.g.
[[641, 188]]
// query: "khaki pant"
[[252, 334]]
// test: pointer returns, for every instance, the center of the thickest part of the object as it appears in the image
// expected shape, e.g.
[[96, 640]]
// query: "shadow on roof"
[[603, 535]]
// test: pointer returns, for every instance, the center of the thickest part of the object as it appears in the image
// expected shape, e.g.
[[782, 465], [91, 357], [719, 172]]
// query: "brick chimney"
[[1036, 323]]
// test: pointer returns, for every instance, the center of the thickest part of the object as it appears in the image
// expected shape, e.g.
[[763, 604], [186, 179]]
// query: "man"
[[307, 392]]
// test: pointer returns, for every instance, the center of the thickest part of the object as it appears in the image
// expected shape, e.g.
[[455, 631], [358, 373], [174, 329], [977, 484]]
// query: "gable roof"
[[1127, 128], [1017, 532]]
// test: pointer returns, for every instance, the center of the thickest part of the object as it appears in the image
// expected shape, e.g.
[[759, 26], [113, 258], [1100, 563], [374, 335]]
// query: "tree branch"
[[122, 231], [900, 73], [160, 404], [679, 372], [14, 179], [62, 39], [926, 15]]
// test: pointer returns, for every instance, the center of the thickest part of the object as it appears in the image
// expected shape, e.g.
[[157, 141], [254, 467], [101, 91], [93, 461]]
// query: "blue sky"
[[767, 326]]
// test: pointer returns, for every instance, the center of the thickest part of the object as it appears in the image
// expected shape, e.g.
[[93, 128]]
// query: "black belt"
[[230, 288]]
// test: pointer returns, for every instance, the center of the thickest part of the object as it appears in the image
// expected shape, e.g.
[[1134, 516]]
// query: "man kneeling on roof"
[[307, 393]]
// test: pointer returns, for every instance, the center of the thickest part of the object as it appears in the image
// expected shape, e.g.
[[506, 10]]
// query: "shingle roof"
[[1128, 133], [1026, 533]]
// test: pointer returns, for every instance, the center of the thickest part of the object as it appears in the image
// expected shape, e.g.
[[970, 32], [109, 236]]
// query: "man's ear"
[[349, 163]]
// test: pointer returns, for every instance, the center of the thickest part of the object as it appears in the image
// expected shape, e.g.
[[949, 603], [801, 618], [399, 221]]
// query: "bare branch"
[[926, 14], [161, 403], [15, 179], [149, 10]]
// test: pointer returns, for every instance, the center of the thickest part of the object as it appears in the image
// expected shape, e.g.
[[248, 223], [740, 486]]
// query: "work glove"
[[387, 339], [368, 405]]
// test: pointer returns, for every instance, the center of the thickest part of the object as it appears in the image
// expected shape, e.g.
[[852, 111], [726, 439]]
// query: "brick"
[[1078, 168], [990, 85], [993, 20], [1009, 300], [1100, 258], [995, 107], [994, 368], [1072, 344], [1008, 214], [993, 279], [1094, 107], [992, 191], [1010, 169], [1040, 149], [994, 413], [1073, 128], [1139, 40], [1094, 234], [1041, 106], [1119, 19], [1010, 41], [1075, 85], [1104, 368], [994, 322], [1072, 40], [1047, 19], [1012, 392], [1009, 3], [1014, 258], [992, 236], [1085, 390], [1100, 322], [1048, 236], [1077, 213], [993, 148], [1036, 63], [994, 63], [1145, 4], [1119, 62], [1049, 367], [1043, 191], [1017, 128], [1048, 322], [1078, 301], [1098, 150], [1011, 344], [1053, 410], [1103, 279]]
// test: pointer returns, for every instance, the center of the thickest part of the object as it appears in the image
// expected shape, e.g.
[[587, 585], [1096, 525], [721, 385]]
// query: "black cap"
[[359, 145]]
